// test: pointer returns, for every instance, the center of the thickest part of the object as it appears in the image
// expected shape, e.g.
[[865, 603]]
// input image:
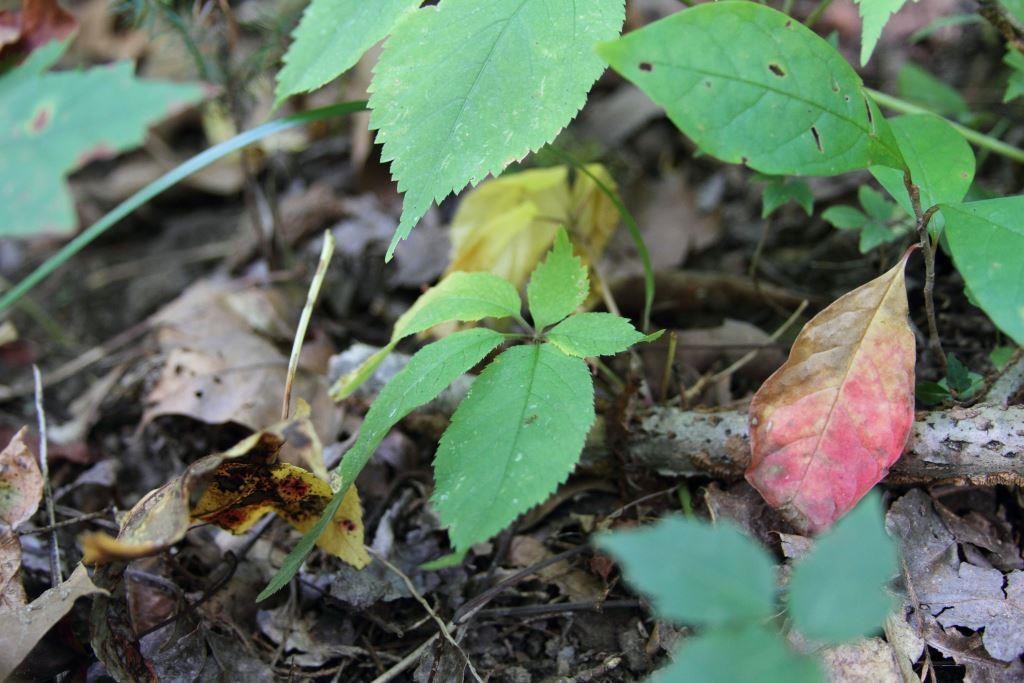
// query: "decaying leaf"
[[241, 485], [25, 627], [37, 23], [21, 484], [507, 224], [12, 592], [956, 593], [828, 424]]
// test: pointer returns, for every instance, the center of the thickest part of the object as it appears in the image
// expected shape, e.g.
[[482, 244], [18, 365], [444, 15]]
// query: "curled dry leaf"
[[828, 424], [21, 484], [241, 485], [507, 224], [25, 626]]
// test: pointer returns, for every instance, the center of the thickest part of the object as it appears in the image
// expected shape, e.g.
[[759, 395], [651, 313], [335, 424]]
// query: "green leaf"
[[986, 240], [875, 15], [751, 653], [594, 334], [695, 573], [1001, 356], [559, 284], [920, 87], [461, 296], [332, 36], [874, 234], [1015, 8], [54, 123], [780, 191], [958, 377], [932, 393], [876, 205], [1015, 85], [515, 437], [426, 375], [940, 160], [464, 88], [837, 592], [845, 217], [785, 104]]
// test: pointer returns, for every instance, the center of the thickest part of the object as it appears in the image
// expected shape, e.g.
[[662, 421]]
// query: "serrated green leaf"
[[917, 85], [594, 334], [845, 217], [940, 160], [875, 204], [465, 297], [780, 191], [54, 123], [695, 573], [464, 88], [514, 438], [837, 592], [332, 36], [426, 375], [986, 240], [751, 85], [875, 15], [1015, 84], [746, 654], [559, 284]]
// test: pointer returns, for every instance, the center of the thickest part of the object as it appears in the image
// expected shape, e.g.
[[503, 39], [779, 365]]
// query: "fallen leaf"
[[37, 23], [27, 625], [12, 592], [673, 224], [21, 484], [507, 224], [957, 593], [575, 584], [241, 485], [828, 424], [871, 660]]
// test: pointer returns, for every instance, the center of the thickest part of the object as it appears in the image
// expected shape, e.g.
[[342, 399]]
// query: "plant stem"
[[167, 180], [813, 17], [928, 249], [978, 138]]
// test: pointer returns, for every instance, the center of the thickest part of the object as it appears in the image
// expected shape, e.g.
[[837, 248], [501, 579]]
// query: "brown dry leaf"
[[21, 484], [871, 660], [12, 592], [828, 424], [222, 364], [241, 485], [507, 224], [25, 627], [672, 223], [37, 23], [577, 585]]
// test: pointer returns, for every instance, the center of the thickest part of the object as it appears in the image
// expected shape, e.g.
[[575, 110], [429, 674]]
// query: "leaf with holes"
[[828, 424], [986, 240], [514, 438], [53, 123], [751, 85], [464, 88], [875, 14], [332, 36], [466, 297]]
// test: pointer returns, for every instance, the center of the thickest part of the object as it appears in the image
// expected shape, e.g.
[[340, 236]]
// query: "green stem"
[[816, 14], [980, 139], [167, 180]]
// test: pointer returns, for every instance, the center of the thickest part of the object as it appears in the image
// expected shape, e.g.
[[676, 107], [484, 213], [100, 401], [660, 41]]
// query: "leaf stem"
[[980, 139], [167, 180]]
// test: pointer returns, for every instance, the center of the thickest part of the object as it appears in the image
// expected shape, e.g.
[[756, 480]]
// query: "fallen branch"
[[981, 445]]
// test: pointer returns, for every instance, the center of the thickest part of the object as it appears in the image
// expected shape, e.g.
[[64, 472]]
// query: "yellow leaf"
[[507, 224]]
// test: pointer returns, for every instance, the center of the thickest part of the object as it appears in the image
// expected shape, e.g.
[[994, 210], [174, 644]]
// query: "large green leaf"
[[464, 88], [751, 85], [695, 573], [986, 240], [837, 592], [461, 296], [426, 375], [515, 437], [54, 123], [748, 654], [941, 163], [332, 36], [875, 15], [558, 285], [594, 334]]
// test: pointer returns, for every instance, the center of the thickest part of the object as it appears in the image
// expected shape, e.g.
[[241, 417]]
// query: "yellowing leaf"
[[506, 225], [828, 424], [241, 485]]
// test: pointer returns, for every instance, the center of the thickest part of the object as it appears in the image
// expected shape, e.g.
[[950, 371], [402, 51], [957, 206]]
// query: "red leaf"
[[38, 22], [828, 424]]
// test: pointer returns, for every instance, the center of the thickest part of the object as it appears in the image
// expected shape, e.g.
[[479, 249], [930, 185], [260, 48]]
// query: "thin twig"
[[307, 312], [68, 522], [928, 249], [56, 577], [426, 606], [406, 661]]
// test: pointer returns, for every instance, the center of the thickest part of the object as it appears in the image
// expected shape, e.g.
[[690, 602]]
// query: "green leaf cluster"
[[876, 221], [715, 578], [959, 384], [520, 430]]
